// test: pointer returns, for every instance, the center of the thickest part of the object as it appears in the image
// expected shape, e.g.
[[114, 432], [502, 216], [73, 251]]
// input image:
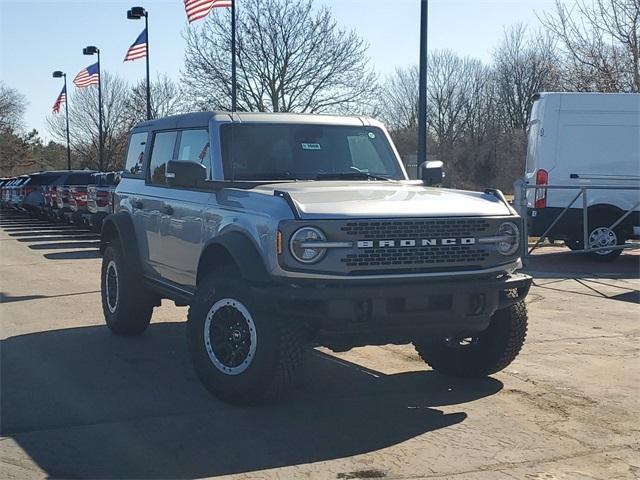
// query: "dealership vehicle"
[[283, 231], [33, 191], [100, 198], [7, 191], [65, 198], [587, 140], [4, 191], [16, 192]]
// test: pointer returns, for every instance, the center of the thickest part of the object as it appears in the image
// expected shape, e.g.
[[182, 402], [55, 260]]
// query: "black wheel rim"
[[111, 283], [230, 336]]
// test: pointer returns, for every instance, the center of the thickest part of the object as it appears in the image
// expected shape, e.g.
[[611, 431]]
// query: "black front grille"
[[423, 228], [419, 257], [400, 257]]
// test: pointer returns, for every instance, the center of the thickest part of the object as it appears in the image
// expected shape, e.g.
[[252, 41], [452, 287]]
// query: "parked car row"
[[82, 197]]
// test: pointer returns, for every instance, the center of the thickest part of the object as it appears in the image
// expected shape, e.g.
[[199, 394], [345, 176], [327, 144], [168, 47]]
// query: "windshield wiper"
[[351, 176]]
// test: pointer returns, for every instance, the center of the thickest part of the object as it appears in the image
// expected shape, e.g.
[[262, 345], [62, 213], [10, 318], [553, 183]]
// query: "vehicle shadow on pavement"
[[75, 255], [561, 263], [79, 242], [82, 402], [65, 245]]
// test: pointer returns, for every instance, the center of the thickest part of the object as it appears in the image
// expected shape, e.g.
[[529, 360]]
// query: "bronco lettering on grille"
[[424, 242]]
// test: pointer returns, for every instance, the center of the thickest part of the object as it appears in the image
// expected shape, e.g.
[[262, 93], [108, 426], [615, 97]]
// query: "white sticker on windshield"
[[372, 135], [310, 146]]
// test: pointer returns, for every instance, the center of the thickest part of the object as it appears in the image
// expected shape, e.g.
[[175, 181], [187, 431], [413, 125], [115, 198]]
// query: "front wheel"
[[483, 353], [241, 351]]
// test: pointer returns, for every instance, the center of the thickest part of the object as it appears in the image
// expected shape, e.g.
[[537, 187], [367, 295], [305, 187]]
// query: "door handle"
[[137, 204], [168, 209]]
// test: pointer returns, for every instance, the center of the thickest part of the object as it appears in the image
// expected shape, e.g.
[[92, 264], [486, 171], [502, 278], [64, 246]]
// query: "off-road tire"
[[129, 313], [491, 351], [274, 366]]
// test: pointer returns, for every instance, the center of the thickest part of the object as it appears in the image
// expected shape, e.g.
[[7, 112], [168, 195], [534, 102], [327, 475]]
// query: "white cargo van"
[[584, 139]]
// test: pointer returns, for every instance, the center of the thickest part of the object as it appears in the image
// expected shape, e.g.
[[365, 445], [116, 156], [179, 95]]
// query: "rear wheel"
[[126, 305], [240, 350], [603, 236], [600, 235], [483, 353]]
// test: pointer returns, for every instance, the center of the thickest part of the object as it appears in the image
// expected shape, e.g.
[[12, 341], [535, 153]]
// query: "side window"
[[135, 154], [161, 153], [194, 147]]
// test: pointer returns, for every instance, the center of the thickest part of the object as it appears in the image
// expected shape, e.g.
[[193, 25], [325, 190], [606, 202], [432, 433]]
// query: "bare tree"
[[291, 58], [523, 66], [601, 43], [447, 91], [83, 119], [399, 99], [166, 99], [12, 107]]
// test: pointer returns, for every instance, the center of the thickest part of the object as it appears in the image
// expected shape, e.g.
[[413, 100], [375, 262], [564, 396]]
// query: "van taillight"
[[542, 178]]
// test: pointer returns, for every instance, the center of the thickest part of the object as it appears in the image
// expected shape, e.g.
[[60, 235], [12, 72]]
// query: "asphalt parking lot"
[[77, 401]]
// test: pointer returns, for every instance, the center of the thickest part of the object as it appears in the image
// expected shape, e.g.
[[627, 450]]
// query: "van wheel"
[[603, 236], [483, 353], [126, 305], [600, 236], [241, 352]]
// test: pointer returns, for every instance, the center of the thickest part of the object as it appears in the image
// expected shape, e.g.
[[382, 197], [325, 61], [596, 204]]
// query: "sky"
[[40, 36]]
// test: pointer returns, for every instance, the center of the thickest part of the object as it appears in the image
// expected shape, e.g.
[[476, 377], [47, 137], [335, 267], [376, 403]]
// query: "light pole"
[[91, 50], [136, 13], [234, 95], [422, 98], [59, 74]]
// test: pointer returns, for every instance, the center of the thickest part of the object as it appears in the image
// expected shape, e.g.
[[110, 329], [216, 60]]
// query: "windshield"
[[306, 152]]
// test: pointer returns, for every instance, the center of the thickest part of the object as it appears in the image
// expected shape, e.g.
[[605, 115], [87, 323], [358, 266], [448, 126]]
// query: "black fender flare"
[[244, 254], [119, 225]]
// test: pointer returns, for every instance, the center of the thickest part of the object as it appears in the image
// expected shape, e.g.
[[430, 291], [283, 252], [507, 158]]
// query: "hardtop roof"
[[202, 119]]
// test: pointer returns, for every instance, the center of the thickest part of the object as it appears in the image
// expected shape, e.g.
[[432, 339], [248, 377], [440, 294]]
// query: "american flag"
[[198, 9], [60, 100], [88, 76], [139, 48]]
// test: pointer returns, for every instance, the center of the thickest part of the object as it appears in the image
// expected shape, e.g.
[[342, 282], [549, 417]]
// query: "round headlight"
[[511, 242], [301, 245]]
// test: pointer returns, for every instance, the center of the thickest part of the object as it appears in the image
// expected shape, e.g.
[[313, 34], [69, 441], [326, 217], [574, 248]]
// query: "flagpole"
[[90, 50], [146, 27], [233, 56], [100, 139], [66, 110]]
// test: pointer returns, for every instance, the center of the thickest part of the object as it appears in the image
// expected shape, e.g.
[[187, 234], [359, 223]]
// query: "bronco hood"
[[379, 199]]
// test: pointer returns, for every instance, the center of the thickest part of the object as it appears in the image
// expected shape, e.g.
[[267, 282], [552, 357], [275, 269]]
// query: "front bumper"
[[392, 311]]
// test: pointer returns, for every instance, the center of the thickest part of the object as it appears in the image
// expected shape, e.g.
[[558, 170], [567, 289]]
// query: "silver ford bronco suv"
[[284, 231]]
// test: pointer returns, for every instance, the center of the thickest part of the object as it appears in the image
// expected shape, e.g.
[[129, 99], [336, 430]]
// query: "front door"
[[149, 206], [182, 220]]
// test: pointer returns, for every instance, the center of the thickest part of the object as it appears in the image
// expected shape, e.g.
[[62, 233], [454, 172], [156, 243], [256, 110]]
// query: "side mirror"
[[185, 174], [432, 173]]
